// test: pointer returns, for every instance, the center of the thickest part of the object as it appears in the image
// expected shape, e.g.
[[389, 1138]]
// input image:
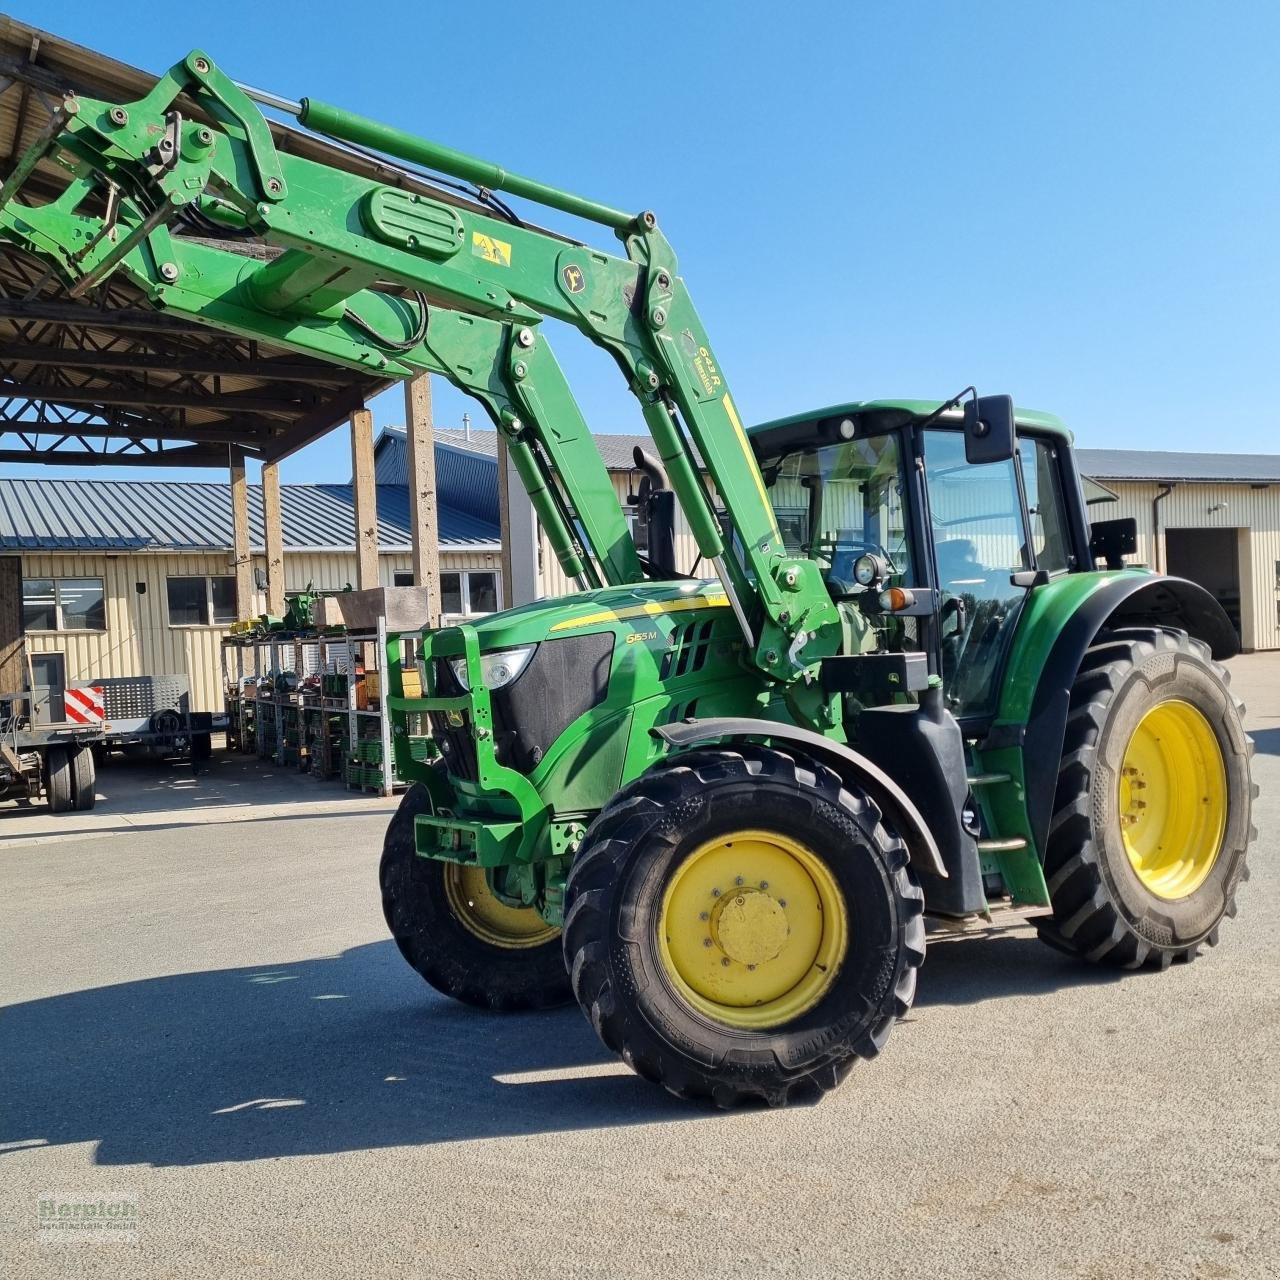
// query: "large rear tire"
[[57, 761], [740, 925], [1151, 818], [457, 934], [84, 779]]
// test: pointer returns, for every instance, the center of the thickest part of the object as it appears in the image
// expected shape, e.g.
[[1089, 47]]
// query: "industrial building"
[[1210, 517], [122, 578], [137, 577]]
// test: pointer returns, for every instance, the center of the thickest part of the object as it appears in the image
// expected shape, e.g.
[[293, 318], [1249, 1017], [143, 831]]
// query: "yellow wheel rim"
[[753, 929], [1173, 799], [487, 916]]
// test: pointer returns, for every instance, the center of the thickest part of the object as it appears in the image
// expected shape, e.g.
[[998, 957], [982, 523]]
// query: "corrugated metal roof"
[[130, 515], [1154, 464], [466, 479]]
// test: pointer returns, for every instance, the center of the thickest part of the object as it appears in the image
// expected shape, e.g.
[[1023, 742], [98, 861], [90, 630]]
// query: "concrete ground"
[[162, 794], [210, 1018]]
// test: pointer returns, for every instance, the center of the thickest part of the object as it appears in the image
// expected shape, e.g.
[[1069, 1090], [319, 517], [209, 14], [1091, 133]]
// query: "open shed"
[[104, 378]]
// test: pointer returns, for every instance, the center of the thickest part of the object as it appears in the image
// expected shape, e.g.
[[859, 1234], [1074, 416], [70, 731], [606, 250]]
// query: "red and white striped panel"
[[83, 704]]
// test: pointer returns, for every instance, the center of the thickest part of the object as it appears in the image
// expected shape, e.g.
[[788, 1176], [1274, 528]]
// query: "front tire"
[[457, 934], [740, 925], [1151, 818]]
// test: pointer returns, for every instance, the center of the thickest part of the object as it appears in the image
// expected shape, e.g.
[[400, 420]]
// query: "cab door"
[[977, 521]]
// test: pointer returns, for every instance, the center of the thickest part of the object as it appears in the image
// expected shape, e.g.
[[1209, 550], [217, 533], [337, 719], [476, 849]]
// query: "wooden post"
[[273, 538], [366, 499], [13, 652], [421, 437], [241, 558]]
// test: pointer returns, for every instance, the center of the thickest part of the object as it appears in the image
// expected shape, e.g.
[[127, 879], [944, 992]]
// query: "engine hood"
[[606, 609]]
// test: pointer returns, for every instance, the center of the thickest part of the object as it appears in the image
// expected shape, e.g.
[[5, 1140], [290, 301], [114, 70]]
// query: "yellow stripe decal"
[[736, 423], [651, 609]]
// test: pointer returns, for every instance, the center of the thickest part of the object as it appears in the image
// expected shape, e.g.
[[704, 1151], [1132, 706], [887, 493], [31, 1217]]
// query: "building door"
[[1211, 558], [49, 675]]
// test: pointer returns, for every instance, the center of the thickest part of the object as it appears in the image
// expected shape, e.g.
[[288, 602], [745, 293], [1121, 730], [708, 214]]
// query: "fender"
[[1128, 598], [893, 801]]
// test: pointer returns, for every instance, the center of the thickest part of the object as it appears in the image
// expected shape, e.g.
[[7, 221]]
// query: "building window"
[[222, 600], [201, 601], [793, 524], [469, 594], [63, 604], [402, 578]]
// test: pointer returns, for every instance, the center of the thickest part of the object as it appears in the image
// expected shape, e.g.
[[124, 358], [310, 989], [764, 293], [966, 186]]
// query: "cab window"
[[840, 501], [1043, 484]]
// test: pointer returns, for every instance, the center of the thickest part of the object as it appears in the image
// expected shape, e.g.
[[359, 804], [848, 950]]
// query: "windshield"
[[840, 501]]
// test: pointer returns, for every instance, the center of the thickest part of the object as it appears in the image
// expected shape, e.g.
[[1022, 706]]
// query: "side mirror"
[[988, 429]]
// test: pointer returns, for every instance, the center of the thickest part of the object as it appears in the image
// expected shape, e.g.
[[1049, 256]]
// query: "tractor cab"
[[923, 551]]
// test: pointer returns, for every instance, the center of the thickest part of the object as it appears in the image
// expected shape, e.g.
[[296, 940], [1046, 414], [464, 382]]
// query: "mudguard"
[[1047, 654], [893, 801]]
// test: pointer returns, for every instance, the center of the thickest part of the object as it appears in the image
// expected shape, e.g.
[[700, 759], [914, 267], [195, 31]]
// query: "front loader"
[[713, 811]]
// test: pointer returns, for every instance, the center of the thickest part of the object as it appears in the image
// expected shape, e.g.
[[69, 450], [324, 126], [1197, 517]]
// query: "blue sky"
[[1075, 203]]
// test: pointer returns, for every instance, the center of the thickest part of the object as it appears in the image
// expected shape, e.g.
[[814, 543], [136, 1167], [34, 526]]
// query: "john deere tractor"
[[713, 810]]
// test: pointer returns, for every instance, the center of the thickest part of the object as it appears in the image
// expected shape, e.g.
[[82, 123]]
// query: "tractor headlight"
[[496, 669], [868, 570]]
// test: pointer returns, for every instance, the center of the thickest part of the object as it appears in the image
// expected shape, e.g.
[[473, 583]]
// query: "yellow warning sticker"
[[490, 249]]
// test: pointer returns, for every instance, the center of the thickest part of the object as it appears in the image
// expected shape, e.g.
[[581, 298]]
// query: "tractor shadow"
[[341, 1053], [354, 1052], [1001, 962]]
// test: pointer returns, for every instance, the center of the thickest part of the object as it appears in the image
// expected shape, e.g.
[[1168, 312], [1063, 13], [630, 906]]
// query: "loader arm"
[[372, 277]]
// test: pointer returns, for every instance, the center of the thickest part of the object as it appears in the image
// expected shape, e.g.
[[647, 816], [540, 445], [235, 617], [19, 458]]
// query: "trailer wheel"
[[740, 925], [1151, 819], [458, 935], [201, 746], [58, 783], [83, 779]]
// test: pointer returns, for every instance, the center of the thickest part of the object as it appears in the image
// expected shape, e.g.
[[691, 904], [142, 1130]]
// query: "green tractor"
[[729, 874], [712, 810]]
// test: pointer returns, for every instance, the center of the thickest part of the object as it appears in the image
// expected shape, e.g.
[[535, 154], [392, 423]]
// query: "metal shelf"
[[269, 656]]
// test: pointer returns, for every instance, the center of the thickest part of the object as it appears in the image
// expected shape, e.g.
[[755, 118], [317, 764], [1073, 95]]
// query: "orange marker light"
[[895, 599]]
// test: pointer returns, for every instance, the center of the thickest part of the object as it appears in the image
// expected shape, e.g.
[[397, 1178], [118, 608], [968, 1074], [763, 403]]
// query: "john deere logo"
[[573, 278], [453, 719]]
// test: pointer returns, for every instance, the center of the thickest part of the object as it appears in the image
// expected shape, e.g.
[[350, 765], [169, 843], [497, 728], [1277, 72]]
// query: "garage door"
[[1211, 558]]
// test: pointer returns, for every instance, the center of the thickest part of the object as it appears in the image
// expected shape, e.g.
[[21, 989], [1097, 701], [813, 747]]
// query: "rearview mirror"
[[988, 429]]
